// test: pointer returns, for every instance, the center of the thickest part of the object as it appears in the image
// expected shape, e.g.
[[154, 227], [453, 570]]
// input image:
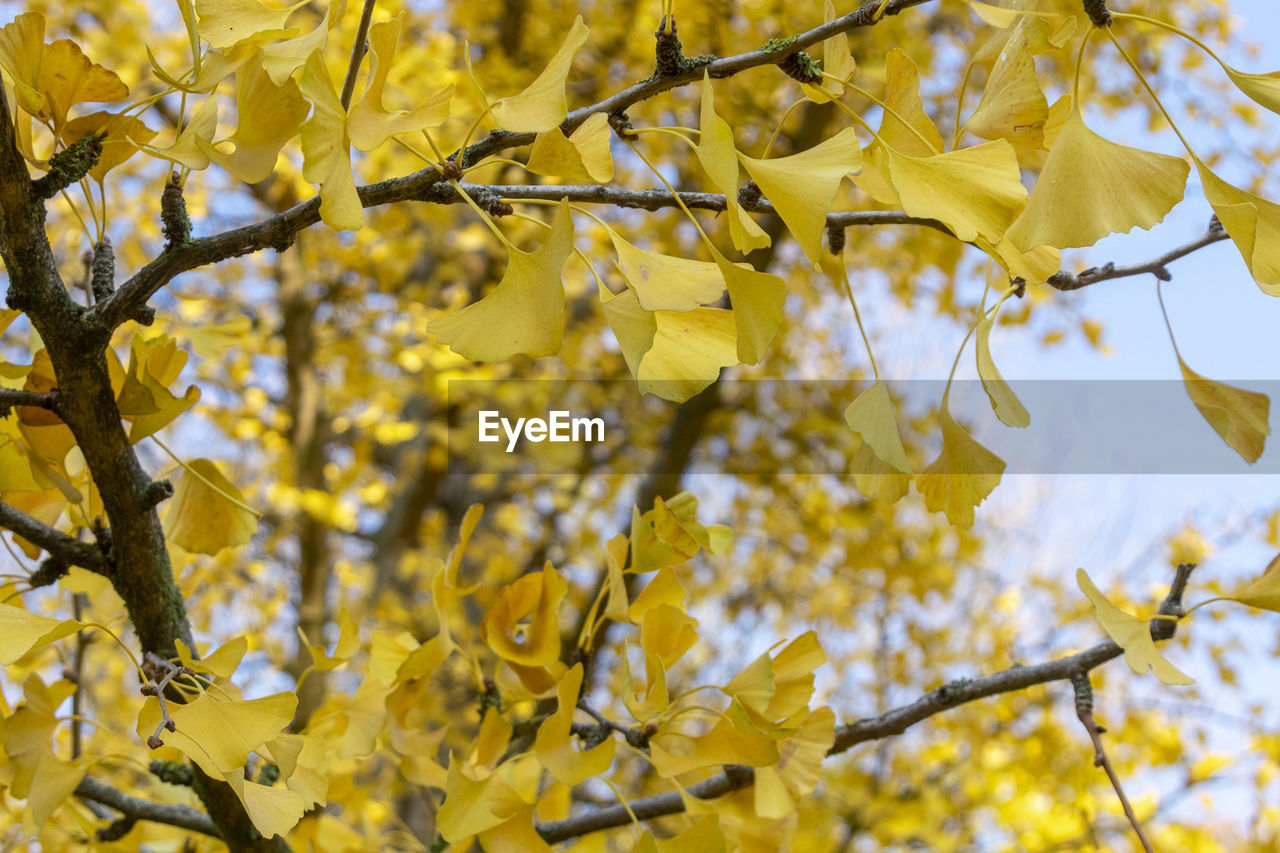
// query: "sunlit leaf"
[[1007, 406], [326, 149], [803, 186], [371, 123], [719, 158], [541, 106], [218, 734], [227, 22], [22, 631], [1264, 591], [583, 156], [267, 117], [1131, 634], [961, 477], [1252, 222], [554, 743], [67, 78], [836, 61], [535, 597], [1091, 187], [1239, 416], [974, 191], [207, 512], [1013, 106], [524, 313]]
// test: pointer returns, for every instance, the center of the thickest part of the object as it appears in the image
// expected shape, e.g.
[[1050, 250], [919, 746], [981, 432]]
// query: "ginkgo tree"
[[416, 208]]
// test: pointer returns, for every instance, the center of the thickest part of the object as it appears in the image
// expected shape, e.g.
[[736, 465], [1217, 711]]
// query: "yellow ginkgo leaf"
[[1264, 592], [731, 741], [21, 45], [542, 106], [1131, 634], [1033, 267], [962, 476], [976, 192], [802, 186], [348, 644], [1253, 224], [222, 662], [524, 313], [218, 734], [67, 78], [753, 685], [757, 299], [215, 66], [1262, 88], [326, 149], [689, 349], [22, 631], [371, 123], [836, 61], [52, 782], [719, 159], [224, 23], [799, 766], [871, 416], [207, 513], [1007, 406], [535, 597], [267, 117], [190, 147], [1239, 416], [671, 354], [121, 137], [668, 632], [1091, 187], [282, 58], [583, 156], [665, 588], [273, 811], [902, 95], [466, 809], [144, 397], [654, 700], [554, 744], [667, 283], [793, 669], [1013, 106]]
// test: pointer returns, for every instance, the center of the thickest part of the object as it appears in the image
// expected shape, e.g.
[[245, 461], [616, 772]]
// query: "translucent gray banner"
[[777, 427]]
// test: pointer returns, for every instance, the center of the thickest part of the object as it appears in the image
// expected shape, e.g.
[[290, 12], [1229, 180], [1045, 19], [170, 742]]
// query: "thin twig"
[[1084, 711], [357, 53], [1156, 266]]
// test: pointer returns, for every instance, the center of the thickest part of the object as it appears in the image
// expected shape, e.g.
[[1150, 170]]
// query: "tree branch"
[[894, 722], [59, 545], [184, 817], [10, 397], [278, 231], [1156, 266]]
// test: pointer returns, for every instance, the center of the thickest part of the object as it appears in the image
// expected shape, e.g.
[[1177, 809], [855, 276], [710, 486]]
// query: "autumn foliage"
[[257, 602]]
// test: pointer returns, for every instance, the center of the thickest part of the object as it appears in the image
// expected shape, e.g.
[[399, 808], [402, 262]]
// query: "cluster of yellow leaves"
[[43, 473]]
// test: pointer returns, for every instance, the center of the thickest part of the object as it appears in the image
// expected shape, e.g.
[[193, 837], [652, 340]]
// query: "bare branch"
[[1155, 266], [1084, 711], [10, 397], [184, 817], [59, 545]]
